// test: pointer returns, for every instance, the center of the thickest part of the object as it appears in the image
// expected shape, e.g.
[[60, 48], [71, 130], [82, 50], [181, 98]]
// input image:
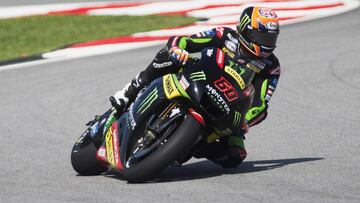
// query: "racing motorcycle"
[[170, 121]]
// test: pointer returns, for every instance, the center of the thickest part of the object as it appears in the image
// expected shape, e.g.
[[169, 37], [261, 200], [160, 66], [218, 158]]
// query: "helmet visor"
[[266, 39]]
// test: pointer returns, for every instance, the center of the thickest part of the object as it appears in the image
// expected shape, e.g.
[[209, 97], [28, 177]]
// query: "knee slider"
[[235, 157]]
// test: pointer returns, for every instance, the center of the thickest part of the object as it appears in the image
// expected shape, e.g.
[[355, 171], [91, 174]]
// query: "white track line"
[[75, 53], [20, 11]]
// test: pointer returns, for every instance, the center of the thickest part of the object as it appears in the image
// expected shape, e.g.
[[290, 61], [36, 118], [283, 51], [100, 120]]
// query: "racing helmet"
[[258, 30]]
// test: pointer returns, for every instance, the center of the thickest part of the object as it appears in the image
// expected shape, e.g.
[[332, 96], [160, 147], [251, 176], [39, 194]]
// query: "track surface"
[[307, 150]]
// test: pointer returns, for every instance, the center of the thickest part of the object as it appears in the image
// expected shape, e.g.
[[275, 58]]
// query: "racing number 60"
[[225, 87]]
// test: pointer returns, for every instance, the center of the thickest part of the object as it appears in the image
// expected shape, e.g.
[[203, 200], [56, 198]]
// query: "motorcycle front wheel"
[[83, 156], [175, 146]]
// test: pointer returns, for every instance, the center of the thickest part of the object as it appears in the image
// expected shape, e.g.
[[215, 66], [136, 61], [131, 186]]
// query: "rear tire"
[[179, 143], [83, 157]]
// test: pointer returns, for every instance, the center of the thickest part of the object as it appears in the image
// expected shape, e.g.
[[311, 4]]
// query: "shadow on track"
[[207, 169]]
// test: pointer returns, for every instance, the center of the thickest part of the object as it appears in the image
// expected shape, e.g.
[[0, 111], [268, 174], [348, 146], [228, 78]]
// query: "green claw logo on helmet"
[[258, 30]]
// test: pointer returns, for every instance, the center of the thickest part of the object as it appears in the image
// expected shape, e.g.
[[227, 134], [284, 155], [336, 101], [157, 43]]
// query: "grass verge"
[[21, 37]]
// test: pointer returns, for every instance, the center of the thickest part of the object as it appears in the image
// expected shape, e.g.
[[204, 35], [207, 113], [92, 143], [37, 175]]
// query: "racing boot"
[[161, 65], [122, 99]]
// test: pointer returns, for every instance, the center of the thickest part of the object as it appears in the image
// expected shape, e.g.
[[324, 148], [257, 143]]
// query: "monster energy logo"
[[244, 21], [236, 67], [148, 101], [237, 118], [231, 64], [198, 76], [242, 71]]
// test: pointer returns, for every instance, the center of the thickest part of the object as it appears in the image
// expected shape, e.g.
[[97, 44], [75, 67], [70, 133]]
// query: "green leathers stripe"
[[201, 40], [254, 111], [179, 87], [148, 100], [183, 41], [198, 76], [237, 119], [244, 21], [236, 141]]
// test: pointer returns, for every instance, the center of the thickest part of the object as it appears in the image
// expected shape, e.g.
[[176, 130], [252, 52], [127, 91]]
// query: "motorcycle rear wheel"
[[178, 143]]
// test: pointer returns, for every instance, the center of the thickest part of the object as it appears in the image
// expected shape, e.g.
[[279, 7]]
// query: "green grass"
[[33, 35]]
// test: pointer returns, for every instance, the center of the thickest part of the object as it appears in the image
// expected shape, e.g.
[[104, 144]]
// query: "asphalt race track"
[[306, 151]]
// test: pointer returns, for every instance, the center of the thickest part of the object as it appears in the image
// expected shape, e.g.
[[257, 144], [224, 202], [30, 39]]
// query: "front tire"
[[178, 143], [83, 157]]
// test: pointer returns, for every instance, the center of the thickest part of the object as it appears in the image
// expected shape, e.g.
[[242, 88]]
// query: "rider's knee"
[[235, 157]]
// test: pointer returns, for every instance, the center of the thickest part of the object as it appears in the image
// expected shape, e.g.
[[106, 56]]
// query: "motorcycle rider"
[[251, 45]]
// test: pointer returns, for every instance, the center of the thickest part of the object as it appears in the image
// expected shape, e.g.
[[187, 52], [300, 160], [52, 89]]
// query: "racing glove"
[[179, 55]]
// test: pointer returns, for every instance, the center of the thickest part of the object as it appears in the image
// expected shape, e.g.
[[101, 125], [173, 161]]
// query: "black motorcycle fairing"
[[215, 92], [148, 121]]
